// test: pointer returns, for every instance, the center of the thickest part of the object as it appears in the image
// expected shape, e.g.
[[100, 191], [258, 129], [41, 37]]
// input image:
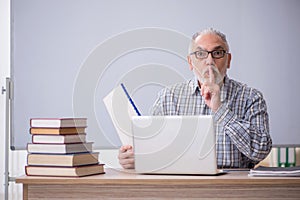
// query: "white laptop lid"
[[174, 144]]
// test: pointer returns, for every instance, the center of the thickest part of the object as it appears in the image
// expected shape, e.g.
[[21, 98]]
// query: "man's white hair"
[[208, 31]]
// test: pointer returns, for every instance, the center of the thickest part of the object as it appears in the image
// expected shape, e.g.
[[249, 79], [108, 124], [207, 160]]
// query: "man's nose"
[[210, 60]]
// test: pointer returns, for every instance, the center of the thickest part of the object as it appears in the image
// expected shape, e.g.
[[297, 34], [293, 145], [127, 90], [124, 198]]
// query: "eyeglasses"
[[201, 54]]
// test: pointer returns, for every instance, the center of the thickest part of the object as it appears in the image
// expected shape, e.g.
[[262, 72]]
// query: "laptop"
[[174, 145]]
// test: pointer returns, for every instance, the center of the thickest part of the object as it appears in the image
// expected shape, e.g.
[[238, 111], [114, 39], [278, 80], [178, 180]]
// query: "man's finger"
[[127, 154], [122, 149], [127, 161], [211, 75], [125, 148]]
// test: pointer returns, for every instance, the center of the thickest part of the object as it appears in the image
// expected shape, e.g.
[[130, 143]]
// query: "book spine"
[[26, 170], [30, 122], [286, 156]]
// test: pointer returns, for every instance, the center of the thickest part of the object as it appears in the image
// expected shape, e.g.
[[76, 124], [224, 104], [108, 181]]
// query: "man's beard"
[[204, 76]]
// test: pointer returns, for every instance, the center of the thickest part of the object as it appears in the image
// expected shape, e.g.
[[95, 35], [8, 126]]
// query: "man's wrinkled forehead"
[[208, 41]]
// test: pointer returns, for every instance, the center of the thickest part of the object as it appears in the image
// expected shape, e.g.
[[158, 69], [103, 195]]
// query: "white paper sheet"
[[120, 111]]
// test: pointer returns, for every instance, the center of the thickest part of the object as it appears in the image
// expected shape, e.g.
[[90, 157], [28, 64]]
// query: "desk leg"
[[25, 192]]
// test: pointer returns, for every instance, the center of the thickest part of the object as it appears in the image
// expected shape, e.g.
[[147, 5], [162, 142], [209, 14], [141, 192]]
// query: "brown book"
[[58, 139], [57, 131], [58, 122], [66, 160], [65, 171], [59, 148]]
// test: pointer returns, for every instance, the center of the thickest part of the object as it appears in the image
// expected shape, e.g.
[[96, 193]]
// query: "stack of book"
[[59, 148], [275, 171]]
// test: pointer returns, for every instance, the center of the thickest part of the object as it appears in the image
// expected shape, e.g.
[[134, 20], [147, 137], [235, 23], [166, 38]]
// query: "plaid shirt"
[[242, 123]]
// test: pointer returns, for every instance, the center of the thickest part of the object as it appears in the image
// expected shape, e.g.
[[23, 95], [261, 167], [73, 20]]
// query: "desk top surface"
[[120, 177]]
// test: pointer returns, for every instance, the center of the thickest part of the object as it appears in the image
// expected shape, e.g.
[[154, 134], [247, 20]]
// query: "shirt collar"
[[224, 88], [195, 87]]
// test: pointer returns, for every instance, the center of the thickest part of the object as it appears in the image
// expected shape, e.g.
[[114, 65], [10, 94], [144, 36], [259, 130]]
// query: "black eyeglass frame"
[[210, 52]]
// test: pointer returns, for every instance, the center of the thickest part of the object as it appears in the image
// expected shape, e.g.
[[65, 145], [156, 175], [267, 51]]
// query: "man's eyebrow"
[[218, 47], [199, 48], [215, 48]]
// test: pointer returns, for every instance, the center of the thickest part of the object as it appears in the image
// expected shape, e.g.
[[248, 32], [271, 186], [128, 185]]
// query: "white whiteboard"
[[68, 54]]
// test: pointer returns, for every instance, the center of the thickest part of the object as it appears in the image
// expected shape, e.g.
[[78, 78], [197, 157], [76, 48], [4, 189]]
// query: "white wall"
[[4, 72], [17, 159], [262, 36]]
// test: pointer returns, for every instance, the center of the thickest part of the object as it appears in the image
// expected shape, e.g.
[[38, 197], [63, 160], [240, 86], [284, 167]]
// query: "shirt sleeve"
[[249, 133], [156, 108]]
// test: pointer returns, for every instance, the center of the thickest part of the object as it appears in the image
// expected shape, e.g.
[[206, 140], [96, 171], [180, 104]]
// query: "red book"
[[58, 131]]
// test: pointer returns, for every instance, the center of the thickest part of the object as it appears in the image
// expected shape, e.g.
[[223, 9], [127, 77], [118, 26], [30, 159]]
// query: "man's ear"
[[228, 60], [190, 63]]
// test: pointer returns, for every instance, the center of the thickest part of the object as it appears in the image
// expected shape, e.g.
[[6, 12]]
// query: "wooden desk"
[[115, 184]]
